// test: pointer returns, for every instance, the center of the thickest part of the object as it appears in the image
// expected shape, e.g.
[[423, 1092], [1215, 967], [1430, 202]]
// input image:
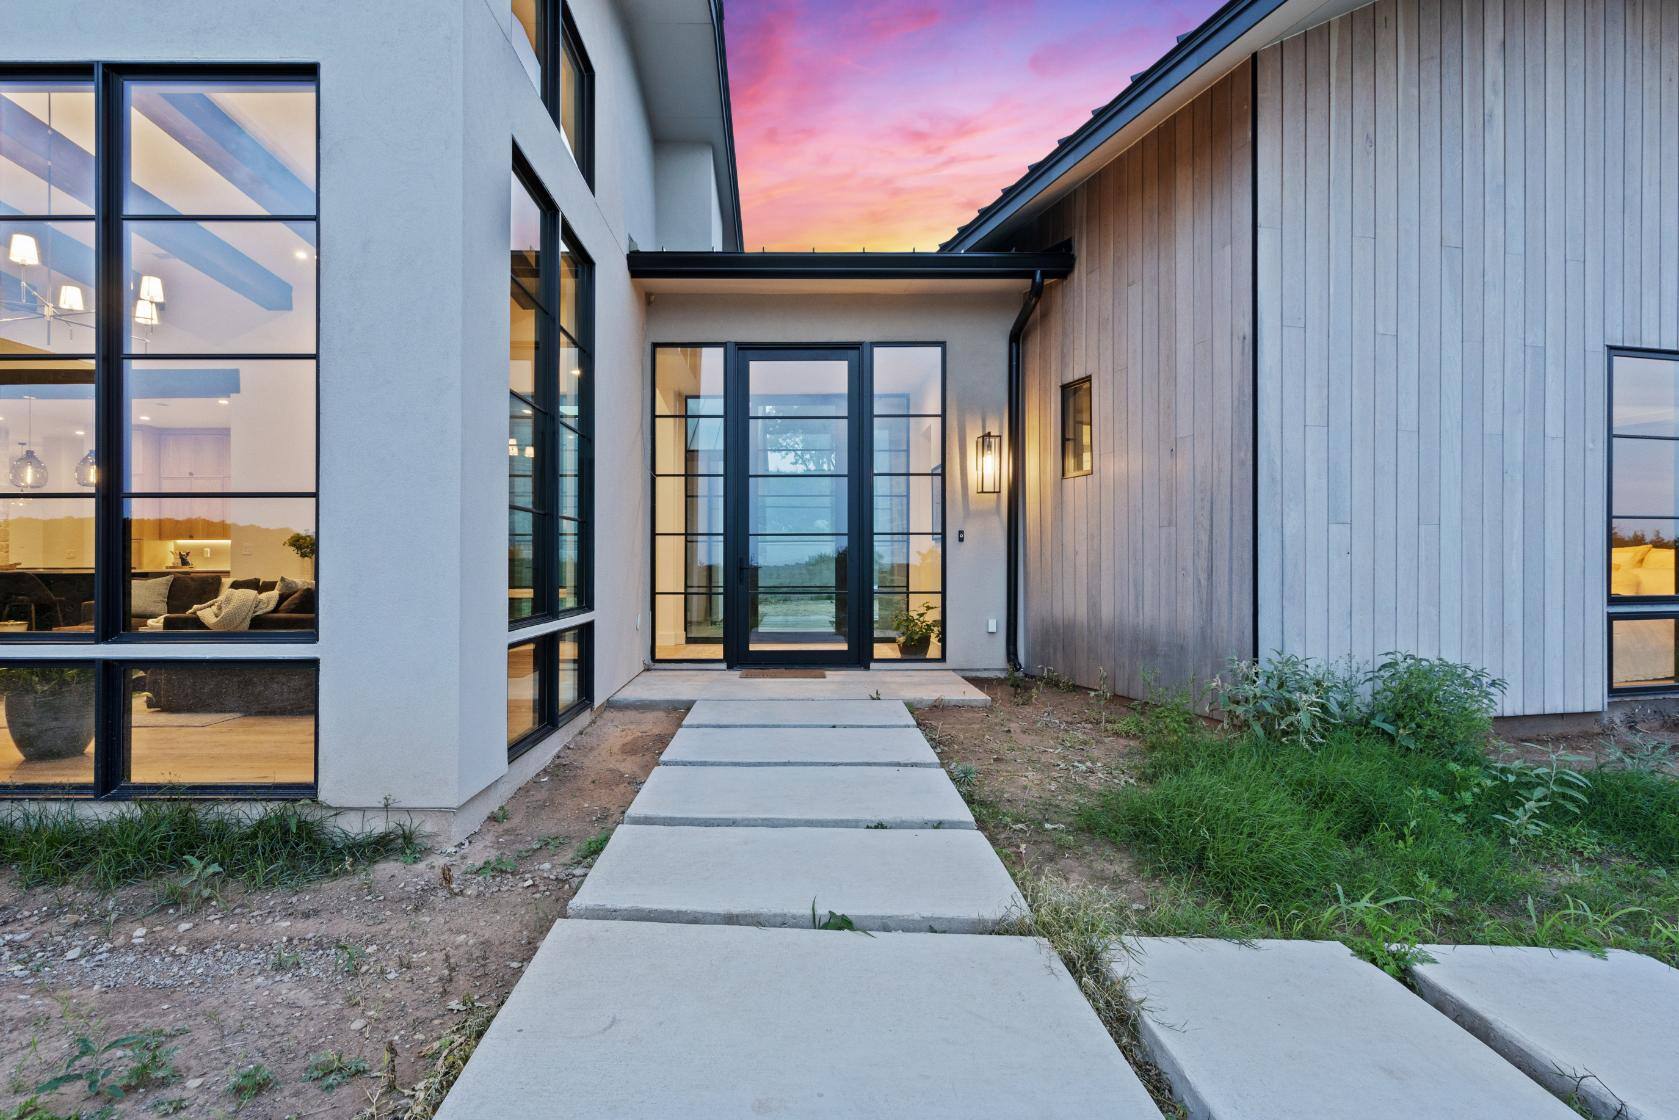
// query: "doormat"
[[783, 675]]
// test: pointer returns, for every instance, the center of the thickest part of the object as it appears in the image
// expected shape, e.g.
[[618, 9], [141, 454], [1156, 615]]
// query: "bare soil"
[[1036, 754], [372, 966]]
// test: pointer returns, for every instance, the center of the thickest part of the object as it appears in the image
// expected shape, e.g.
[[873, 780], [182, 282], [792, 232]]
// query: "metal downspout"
[[1016, 424]]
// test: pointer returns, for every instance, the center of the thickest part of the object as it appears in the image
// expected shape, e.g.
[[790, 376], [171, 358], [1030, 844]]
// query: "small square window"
[[1076, 436]]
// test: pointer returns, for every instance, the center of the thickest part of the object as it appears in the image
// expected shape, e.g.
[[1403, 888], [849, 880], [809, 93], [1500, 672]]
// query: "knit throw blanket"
[[235, 607]]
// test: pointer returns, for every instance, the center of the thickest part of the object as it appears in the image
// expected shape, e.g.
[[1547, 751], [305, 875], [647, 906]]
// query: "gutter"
[[1015, 425], [728, 122]]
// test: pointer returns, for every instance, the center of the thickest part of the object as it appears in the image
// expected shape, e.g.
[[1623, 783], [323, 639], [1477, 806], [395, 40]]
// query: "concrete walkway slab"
[[804, 746], [636, 1020], [1605, 1029], [1306, 1030], [937, 880], [787, 796], [677, 688], [799, 713]]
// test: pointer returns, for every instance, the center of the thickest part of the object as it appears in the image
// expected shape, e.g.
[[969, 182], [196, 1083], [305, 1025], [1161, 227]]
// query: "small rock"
[[358, 1024], [194, 1082], [73, 953], [183, 927], [139, 933]]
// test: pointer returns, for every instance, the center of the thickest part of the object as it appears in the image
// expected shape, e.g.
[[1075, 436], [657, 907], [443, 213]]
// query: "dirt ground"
[[374, 964], [1036, 754]]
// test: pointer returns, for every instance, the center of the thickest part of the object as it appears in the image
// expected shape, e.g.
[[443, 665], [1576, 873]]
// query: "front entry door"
[[794, 476]]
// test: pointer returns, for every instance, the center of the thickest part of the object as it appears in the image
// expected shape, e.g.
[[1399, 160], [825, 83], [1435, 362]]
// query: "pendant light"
[[87, 470], [28, 472]]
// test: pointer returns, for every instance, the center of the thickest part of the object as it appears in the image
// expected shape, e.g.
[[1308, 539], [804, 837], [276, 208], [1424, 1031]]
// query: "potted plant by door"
[[49, 711], [916, 630]]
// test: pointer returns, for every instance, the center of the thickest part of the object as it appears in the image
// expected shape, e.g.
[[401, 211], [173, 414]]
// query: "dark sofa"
[[194, 589]]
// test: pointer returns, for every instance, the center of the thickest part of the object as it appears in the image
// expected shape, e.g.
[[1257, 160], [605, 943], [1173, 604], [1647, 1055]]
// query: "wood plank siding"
[[1461, 203], [1143, 569]]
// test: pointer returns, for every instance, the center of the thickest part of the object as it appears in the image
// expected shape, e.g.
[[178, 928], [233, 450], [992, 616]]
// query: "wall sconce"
[[988, 463]]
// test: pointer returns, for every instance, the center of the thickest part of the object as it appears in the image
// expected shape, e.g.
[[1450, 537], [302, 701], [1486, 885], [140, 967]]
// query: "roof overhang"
[[684, 71], [1201, 57], [975, 267]]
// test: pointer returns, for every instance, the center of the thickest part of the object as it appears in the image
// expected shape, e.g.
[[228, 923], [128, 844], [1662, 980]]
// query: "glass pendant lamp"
[[28, 472]]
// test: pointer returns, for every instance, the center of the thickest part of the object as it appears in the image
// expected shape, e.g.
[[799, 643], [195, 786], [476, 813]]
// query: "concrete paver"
[[812, 796], [934, 880], [1306, 1030], [638, 1019], [799, 713], [803, 746], [1605, 1029]]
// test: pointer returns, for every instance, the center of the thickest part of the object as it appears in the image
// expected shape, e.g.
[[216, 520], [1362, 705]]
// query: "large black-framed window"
[[1643, 529], [688, 501], [158, 279], [907, 384], [904, 387], [551, 50], [548, 684], [550, 436]]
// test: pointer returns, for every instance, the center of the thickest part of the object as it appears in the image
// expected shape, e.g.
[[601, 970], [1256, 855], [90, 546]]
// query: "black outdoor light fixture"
[[988, 462]]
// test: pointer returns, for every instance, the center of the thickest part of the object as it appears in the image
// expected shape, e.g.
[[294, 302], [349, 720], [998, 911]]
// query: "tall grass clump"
[[1365, 805], [282, 845]]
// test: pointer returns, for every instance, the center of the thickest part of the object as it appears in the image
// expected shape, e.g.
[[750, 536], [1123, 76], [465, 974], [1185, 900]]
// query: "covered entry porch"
[[827, 479]]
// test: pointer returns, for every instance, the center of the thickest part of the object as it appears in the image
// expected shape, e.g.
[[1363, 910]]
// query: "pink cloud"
[[885, 124]]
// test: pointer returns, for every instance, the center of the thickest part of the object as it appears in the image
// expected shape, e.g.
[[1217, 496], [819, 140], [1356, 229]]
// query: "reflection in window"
[[524, 691], [1077, 455], [688, 503], [1643, 517], [48, 716], [242, 724], [908, 547], [573, 97], [547, 685]]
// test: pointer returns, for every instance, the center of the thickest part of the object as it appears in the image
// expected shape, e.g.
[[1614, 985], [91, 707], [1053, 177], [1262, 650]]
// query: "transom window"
[[1643, 521]]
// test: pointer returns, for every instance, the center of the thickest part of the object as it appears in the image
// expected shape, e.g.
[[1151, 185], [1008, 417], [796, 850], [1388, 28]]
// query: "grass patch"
[[593, 846], [1361, 836], [284, 845], [1086, 926], [448, 1055]]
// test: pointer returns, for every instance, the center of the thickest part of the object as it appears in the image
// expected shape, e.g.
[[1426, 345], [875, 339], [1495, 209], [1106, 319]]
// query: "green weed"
[[285, 845], [593, 846], [249, 1082], [332, 1070]]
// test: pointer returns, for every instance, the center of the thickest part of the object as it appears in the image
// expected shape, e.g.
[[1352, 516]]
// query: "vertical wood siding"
[[1461, 203], [1143, 570]]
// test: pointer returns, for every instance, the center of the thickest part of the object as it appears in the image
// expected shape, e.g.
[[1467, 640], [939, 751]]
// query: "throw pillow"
[[252, 584], [301, 601], [149, 598], [289, 585]]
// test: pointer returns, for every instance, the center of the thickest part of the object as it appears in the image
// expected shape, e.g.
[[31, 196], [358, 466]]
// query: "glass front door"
[[795, 461]]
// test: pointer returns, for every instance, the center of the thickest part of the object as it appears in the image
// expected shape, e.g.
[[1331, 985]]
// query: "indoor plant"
[[49, 710], [916, 630], [303, 544]]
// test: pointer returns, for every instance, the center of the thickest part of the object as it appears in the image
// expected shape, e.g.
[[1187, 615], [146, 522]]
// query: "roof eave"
[[673, 265], [1221, 31]]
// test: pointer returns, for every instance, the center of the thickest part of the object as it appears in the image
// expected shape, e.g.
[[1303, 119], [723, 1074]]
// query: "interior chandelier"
[[71, 303], [28, 472]]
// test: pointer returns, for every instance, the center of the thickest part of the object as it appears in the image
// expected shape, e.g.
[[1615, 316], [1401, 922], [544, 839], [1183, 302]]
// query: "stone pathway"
[[689, 981]]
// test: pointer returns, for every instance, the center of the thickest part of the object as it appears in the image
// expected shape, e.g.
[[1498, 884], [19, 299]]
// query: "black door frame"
[[737, 649]]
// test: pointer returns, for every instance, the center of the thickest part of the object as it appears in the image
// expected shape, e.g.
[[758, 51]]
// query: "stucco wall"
[[421, 102], [974, 327]]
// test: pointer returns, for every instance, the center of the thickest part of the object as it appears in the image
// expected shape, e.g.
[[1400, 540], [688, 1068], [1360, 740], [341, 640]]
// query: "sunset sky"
[[886, 123]]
